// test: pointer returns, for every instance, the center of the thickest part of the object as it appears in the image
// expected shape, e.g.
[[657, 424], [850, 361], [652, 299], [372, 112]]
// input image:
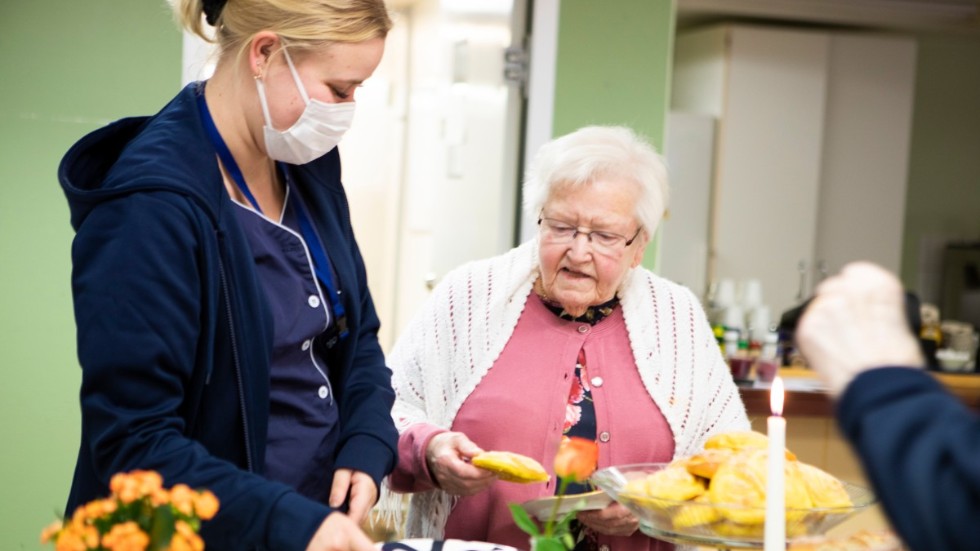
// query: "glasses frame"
[[588, 234]]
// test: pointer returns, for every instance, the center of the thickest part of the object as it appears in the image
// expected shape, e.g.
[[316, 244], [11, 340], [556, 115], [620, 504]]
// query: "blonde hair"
[[304, 24], [594, 152]]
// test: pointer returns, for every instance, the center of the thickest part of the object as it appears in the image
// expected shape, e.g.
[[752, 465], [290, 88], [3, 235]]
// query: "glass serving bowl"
[[708, 524]]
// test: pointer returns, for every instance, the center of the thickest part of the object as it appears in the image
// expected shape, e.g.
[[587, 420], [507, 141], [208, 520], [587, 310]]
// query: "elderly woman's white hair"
[[594, 152]]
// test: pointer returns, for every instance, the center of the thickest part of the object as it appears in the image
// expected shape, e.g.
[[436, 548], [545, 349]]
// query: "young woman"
[[226, 334]]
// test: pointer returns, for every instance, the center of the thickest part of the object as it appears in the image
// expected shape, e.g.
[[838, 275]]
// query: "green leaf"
[[548, 544], [565, 521], [523, 520], [161, 528]]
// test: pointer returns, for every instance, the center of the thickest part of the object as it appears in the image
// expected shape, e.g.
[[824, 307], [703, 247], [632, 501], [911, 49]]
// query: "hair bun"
[[212, 10]]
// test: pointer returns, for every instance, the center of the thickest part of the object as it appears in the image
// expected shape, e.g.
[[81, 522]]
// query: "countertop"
[[805, 395]]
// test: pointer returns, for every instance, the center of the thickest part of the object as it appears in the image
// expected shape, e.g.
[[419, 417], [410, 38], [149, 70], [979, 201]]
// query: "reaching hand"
[[362, 490], [339, 533], [447, 456], [612, 520], [856, 322]]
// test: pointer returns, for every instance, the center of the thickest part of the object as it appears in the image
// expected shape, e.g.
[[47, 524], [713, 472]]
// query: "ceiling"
[[956, 16], [960, 16]]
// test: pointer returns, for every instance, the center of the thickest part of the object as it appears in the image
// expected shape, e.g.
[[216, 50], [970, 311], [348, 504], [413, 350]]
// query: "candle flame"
[[777, 396]]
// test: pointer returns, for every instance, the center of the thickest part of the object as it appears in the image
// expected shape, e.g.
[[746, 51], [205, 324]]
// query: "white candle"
[[776, 473]]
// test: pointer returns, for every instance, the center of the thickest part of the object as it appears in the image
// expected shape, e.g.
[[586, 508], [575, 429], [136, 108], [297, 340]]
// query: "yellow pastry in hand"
[[512, 467]]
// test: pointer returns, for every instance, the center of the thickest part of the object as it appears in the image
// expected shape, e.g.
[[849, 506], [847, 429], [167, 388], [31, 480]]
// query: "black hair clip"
[[212, 10]]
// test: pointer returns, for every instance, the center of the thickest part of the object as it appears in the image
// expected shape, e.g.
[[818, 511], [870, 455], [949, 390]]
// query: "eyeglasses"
[[604, 242]]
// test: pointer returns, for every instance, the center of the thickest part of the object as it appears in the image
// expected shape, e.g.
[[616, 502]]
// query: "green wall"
[[68, 67], [943, 197], [613, 67]]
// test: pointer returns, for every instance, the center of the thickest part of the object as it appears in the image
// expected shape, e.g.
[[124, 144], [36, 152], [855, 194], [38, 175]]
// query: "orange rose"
[[577, 459], [126, 537], [182, 498], [205, 505], [185, 539], [51, 531]]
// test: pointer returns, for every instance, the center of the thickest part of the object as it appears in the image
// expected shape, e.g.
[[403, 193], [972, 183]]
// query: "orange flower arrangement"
[[576, 460], [140, 515]]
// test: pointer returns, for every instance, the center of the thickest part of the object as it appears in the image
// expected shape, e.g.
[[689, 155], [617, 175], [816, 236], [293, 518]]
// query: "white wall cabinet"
[[689, 151], [811, 149]]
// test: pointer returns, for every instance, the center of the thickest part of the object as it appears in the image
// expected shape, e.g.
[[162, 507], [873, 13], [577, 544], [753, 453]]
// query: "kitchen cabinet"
[[810, 153]]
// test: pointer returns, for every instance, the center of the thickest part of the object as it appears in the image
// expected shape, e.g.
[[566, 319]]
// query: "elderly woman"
[[563, 335]]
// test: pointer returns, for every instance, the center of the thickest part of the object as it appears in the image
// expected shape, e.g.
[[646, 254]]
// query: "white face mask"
[[318, 129]]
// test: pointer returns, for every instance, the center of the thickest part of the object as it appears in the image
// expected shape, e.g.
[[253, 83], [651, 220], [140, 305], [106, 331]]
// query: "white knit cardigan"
[[461, 330]]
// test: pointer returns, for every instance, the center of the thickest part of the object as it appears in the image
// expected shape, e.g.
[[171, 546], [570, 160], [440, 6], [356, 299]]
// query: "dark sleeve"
[[369, 440], [138, 284], [920, 447]]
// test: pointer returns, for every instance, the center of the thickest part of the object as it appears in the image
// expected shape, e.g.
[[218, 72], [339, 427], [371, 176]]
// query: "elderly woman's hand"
[[857, 322], [448, 456], [613, 520]]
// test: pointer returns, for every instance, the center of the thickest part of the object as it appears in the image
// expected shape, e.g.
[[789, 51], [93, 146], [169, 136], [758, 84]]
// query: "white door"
[[434, 181]]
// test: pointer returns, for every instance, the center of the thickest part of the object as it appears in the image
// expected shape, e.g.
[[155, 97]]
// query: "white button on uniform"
[[583, 328], [314, 301], [596, 382], [323, 392], [306, 346], [603, 436]]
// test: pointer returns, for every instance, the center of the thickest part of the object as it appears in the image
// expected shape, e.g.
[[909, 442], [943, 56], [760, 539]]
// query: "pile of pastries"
[[723, 490]]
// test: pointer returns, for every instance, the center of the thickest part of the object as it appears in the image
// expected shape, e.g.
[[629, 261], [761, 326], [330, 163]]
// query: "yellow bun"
[[741, 481], [863, 539], [741, 440], [706, 463], [699, 512], [674, 483], [825, 489], [512, 467]]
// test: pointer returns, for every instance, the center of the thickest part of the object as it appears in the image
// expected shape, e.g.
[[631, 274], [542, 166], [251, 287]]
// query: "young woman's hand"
[[339, 533], [360, 486]]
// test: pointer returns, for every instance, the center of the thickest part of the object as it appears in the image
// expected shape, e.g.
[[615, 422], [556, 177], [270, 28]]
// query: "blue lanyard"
[[321, 264]]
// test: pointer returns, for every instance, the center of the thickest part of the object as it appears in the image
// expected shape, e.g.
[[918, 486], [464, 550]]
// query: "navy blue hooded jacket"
[[920, 447], [174, 332]]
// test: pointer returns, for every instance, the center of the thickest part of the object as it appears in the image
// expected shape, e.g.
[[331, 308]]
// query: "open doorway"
[[432, 162]]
